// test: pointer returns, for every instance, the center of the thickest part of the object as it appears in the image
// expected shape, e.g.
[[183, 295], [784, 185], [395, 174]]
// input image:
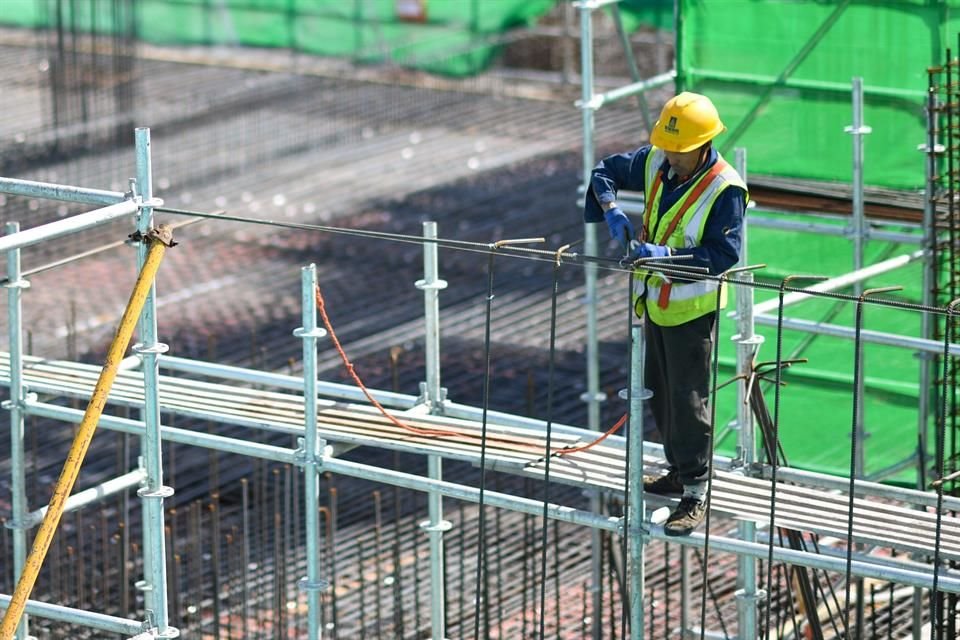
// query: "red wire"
[[353, 374], [608, 433]]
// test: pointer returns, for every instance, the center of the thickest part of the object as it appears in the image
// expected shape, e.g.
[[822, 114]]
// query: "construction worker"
[[694, 207]]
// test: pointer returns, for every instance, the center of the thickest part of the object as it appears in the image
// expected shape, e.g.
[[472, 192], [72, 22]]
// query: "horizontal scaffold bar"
[[67, 225], [70, 615], [62, 192]]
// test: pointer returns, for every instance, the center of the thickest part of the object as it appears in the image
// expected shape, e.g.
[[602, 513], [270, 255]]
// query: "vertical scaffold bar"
[[312, 584], [435, 526], [748, 342], [858, 130], [927, 361], [18, 521], [593, 396], [635, 510], [678, 46], [153, 492]]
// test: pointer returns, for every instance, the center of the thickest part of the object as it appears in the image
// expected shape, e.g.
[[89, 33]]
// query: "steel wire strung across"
[[676, 272]]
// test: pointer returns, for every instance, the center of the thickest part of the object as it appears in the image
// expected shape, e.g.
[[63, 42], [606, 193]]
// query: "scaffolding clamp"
[[588, 397], [305, 584], [159, 493], [21, 404], [20, 524], [434, 407], [151, 626], [744, 596], [305, 458], [163, 233], [640, 528], [441, 526], [22, 283]]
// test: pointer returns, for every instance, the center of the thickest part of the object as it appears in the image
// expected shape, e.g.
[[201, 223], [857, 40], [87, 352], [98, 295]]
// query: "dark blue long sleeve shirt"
[[720, 245]]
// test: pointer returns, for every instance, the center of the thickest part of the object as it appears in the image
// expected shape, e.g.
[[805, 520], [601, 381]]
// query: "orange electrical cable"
[[609, 432], [321, 306], [437, 433]]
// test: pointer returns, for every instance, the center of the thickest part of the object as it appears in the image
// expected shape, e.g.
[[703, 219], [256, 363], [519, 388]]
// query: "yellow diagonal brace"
[[78, 450]]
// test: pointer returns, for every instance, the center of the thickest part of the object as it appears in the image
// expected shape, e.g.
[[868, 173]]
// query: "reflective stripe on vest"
[[680, 227]]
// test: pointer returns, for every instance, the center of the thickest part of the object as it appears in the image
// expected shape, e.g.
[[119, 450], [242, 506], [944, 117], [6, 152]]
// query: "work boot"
[[668, 485], [686, 517]]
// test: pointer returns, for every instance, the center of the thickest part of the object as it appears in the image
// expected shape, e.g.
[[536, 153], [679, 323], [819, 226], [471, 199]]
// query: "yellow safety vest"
[[670, 303]]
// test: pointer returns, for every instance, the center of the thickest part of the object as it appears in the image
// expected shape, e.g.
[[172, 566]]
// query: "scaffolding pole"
[[153, 492], [636, 509], [747, 345], [593, 395], [312, 452], [18, 507], [433, 398]]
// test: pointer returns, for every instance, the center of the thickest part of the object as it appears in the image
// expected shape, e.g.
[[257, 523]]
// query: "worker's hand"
[[619, 225], [648, 250]]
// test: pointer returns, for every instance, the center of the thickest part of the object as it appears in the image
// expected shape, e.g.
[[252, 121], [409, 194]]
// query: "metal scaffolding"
[[327, 419], [325, 416]]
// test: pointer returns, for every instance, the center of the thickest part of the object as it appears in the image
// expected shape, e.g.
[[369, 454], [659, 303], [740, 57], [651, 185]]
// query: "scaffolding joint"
[[435, 285], [752, 597], [636, 529], [593, 104], [851, 231], [755, 339], [305, 584], [858, 131], [624, 394], [739, 460], [433, 407], [159, 493], [442, 526], [303, 334], [21, 404], [304, 458], [156, 348], [16, 284], [162, 233], [925, 148], [588, 397], [18, 524], [150, 626]]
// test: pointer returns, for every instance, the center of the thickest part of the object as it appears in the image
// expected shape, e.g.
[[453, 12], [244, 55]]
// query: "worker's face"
[[684, 163]]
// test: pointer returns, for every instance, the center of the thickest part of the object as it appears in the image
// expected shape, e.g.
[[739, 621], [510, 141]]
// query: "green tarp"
[[781, 72], [455, 37]]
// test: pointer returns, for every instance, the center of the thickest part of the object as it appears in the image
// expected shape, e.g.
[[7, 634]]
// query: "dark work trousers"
[[677, 370]]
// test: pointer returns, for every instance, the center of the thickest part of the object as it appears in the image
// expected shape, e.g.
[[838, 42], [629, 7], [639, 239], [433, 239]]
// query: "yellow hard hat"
[[688, 120]]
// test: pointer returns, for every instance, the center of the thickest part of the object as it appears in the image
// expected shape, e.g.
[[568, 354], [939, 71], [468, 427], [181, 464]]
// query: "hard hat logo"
[[688, 121]]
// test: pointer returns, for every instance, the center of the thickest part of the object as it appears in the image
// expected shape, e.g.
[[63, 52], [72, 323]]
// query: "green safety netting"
[[454, 37], [780, 72]]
